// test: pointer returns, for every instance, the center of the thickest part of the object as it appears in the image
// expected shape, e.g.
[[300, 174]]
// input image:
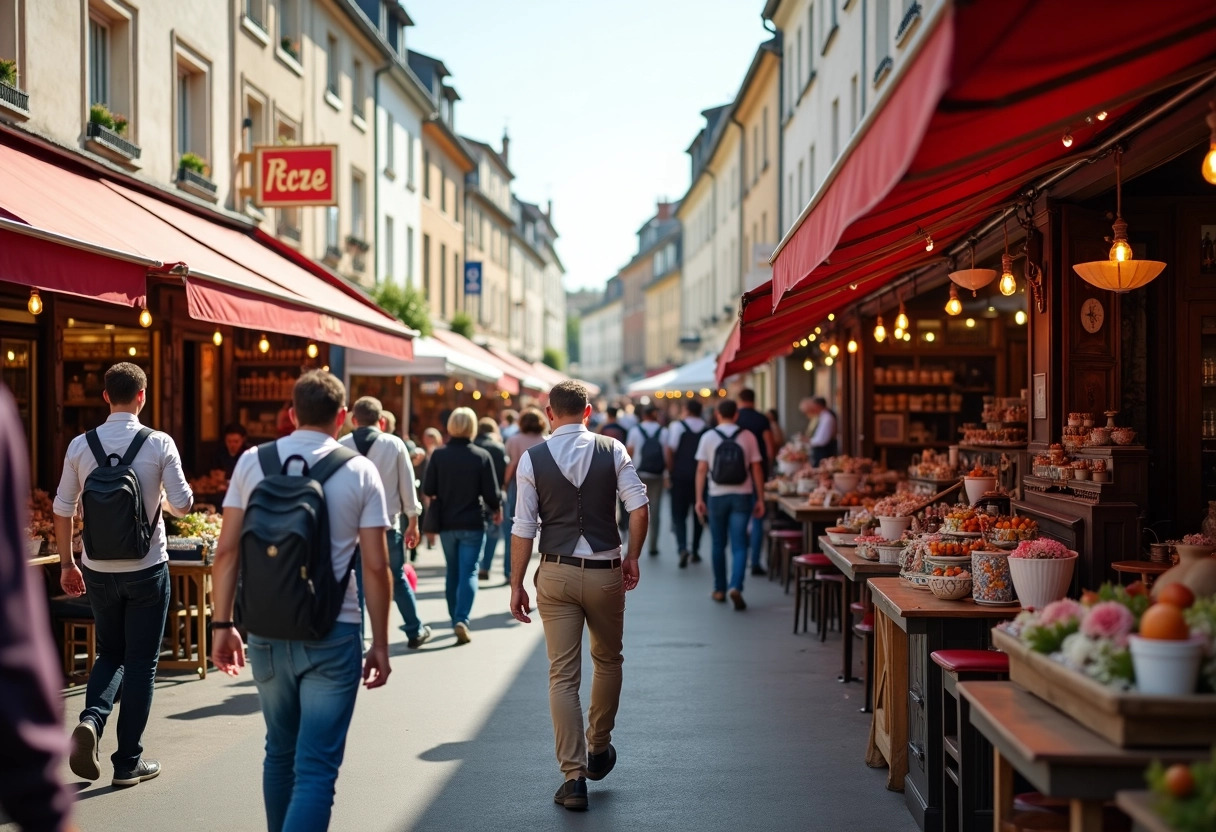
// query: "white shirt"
[[627, 420], [710, 440], [353, 495], [507, 431], [676, 430], [157, 462], [638, 435], [392, 459], [825, 429], [572, 447]]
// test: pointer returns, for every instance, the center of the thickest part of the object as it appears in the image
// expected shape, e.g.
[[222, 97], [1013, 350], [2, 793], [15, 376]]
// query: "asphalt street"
[[727, 722]]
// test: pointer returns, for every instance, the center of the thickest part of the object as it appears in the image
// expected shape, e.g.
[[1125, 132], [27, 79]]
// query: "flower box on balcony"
[[195, 183], [14, 100], [106, 139]]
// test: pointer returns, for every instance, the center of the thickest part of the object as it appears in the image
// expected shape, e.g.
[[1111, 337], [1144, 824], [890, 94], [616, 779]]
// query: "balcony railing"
[[14, 99], [111, 141]]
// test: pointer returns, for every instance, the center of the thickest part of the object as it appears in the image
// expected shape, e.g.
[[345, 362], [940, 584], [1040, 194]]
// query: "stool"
[[79, 633], [806, 584], [829, 605], [968, 758], [777, 539], [865, 629]]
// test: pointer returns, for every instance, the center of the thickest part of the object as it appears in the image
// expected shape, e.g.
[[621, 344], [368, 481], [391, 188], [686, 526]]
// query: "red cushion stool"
[[968, 759], [806, 581], [778, 555]]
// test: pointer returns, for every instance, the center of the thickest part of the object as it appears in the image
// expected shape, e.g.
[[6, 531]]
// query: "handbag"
[[430, 517]]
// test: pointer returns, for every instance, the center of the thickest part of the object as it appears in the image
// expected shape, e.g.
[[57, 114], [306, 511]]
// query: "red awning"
[[1001, 83], [524, 370], [509, 382]]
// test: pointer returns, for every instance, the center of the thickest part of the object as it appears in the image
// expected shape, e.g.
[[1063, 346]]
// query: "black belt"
[[585, 563]]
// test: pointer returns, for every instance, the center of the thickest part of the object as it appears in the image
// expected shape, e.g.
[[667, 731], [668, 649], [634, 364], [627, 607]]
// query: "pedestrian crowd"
[[319, 533]]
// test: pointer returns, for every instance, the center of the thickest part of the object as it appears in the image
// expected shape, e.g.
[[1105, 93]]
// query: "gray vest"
[[568, 512]]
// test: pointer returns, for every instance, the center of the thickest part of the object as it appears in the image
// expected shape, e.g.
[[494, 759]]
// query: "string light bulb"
[[312, 350], [476, 395], [880, 331], [1019, 317], [145, 318], [901, 320], [1066, 139], [829, 361], [217, 338], [930, 337], [1008, 284], [928, 242], [263, 345], [852, 346], [899, 333], [1101, 116], [831, 316], [954, 306], [808, 365], [34, 305], [1209, 161], [971, 323], [833, 350], [907, 336]]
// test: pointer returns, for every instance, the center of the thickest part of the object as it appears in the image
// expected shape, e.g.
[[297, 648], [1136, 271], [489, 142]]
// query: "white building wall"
[[400, 202], [600, 345]]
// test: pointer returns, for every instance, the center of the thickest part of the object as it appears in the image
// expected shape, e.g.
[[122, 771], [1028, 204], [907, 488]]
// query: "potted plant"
[[8, 72], [1041, 570], [290, 47], [192, 162]]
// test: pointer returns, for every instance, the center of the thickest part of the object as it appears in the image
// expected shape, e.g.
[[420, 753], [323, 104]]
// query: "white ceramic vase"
[[977, 487], [1164, 667], [846, 482], [893, 528], [1039, 581]]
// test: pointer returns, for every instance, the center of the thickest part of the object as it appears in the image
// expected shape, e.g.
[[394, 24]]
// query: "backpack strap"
[[138, 442], [332, 461], [99, 453], [365, 437], [268, 457]]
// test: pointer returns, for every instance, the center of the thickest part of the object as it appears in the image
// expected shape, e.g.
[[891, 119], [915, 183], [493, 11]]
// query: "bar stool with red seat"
[[778, 555], [968, 758]]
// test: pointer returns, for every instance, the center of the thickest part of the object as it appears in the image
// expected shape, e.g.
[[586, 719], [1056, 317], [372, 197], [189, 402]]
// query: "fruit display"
[[211, 483], [897, 505], [952, 549], [950, 572], [1185, 794], [1014, 529], [1005, 410], [965, 521]]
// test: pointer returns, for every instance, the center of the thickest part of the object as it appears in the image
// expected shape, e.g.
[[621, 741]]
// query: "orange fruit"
[[1178, 594], [1137, 588], [1179, 781], [1164, 621]]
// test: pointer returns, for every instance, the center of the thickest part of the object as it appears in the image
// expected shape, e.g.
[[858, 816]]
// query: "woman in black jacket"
[[461, 483]]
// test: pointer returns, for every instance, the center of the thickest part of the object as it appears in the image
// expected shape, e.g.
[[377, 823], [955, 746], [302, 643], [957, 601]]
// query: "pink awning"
[[509, 382]]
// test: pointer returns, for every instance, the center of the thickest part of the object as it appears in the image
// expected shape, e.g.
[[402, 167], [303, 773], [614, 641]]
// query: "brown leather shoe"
[[720, 597], [572, 795], [736, 598]]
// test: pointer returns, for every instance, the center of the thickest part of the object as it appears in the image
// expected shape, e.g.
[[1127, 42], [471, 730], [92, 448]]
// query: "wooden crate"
[[1129, 720]]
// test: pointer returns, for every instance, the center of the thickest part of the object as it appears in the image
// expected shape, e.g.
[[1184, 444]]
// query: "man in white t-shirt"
[[683, 438], [646, 442], [730, 473], [307, 688]]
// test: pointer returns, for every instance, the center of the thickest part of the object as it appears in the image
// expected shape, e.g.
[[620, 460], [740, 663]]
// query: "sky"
[[600, 98]]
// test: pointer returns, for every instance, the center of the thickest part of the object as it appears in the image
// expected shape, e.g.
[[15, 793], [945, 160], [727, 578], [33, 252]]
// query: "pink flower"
[[1109, 620], [1061, 612]]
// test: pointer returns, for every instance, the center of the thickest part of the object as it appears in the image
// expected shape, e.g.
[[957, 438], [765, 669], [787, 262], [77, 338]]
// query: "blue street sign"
[[472, 278]]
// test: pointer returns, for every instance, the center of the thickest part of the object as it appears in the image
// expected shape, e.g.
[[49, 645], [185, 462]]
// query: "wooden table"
[[1059, 756], [42, 560], [906, 732], [797, 508], [1138, 805], [857, 570], [189, 611], [1148, 570]]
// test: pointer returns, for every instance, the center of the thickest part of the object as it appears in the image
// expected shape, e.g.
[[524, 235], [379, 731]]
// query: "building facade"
[[756, 111], [600, 340], [703, 320], [488, 229]]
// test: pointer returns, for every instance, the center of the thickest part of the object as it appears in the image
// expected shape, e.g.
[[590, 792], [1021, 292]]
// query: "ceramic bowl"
[[846, 482], [889, 554], [1123, 436], [949, 589], [977, 487], [841, 536], [893, 528], [947, 560]]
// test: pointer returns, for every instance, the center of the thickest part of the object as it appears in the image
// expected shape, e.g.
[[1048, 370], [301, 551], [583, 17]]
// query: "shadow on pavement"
[[243, 704]]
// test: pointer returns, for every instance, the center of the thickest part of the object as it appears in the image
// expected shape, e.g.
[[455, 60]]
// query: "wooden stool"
[[778, 560], [865, 629], [78, 633], [806, 582], [830, 600], [967, 785]]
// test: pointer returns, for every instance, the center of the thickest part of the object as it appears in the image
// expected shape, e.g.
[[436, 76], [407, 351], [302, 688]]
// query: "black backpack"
[[287, 587], [652, 460], [684, 461], [116, 525], [614, 430], [730, 465]]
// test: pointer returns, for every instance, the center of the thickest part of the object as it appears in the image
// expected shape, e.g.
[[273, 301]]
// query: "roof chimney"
[[506, 146], [549, 212], [664, 211]]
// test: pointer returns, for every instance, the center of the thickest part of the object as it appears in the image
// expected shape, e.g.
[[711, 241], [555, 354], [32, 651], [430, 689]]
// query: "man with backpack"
[[646, 444], [117, 471], [683, 437], [758, 424], [297, 514], [392, 460], [729, 473]]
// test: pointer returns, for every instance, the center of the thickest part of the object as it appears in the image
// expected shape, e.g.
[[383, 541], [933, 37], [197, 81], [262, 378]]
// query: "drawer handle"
[[917, 698], [917, 751]]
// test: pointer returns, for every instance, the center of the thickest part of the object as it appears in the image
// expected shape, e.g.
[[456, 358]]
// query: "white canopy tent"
[[695, 376], [431, 358]]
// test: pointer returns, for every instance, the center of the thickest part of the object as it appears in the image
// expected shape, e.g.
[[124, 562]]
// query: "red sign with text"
[[290, 176]]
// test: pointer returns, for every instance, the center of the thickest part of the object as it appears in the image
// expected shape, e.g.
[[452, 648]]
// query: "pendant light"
[[901, 320], [1121, 272], [263, 345], [34, 304], [973, 278], [1209, 161], [1008, 284], [954, 306], [852, 346], [145, 318], [217, 338], [880, 331]]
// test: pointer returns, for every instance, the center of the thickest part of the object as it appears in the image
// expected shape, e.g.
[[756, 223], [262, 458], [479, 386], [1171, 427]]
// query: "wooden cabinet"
[[264, 380]]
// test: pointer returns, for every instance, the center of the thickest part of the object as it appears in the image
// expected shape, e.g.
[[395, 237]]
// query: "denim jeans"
[[654, 493], [683, 495], [756, 533], [493, 532], [508, 522], [307, 690], [728, 516], [129, 611], [403, 594], [461, 550]]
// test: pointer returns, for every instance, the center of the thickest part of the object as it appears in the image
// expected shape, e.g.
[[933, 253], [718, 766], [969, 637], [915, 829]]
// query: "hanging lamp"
[[880, 331], [973, 278], [954, 306], [1008, 284], [1209, 161], [1121, 272]]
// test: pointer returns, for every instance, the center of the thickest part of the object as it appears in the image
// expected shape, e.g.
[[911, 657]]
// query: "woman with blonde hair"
[[462, 486]]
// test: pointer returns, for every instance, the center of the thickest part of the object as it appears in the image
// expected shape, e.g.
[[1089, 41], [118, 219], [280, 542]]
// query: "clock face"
[[1092, 315]]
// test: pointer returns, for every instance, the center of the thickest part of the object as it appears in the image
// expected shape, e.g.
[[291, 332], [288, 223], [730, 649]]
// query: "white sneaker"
[[462, 633]]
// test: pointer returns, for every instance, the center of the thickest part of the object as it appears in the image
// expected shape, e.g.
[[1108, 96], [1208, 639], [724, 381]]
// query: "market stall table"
[[189, 610], [1056, 754], [856, 570], [1148, 570], [1138, 805], [798, 509], [909, 625]]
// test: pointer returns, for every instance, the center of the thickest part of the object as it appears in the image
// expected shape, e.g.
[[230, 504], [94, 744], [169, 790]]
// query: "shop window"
[[99, 62], [193, 122], [89, 349], [111, 70]]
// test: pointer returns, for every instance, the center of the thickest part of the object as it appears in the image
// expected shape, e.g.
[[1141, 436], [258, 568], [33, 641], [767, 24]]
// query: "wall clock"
[[1092, 315]]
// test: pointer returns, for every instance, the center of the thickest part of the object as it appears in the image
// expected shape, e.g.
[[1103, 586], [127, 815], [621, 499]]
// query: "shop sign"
[[472, 278], [289, 176]]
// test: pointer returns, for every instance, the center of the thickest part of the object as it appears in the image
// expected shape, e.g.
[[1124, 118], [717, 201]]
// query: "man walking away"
[[487, 431], [753, 420], [682, 440], [510, 424], [392, 460], [646, 443], [728, 468], [570, 485], [118, 470], [306, 684], [613, 429], [823, 437]]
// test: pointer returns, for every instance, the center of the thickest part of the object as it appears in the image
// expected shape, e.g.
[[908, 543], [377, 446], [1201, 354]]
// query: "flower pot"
[[991, 582], [1039, 581], [889, 554], [804, 485], [977, 487], [787, 469], [33, 547], [1189, 553], [893, 528], [1164, 667], [846, 482]]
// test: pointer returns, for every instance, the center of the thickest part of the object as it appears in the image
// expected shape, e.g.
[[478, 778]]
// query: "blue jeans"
[[407, 605], [129, 611], [728, 516], [508, 522], [307, 690], [461, 549], [757, 539], [493, 531]]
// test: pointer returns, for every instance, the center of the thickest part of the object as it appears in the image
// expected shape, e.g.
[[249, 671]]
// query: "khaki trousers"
[[567, 596]]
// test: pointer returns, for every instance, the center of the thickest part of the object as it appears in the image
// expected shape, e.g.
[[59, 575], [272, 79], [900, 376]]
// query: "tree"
[[573, 325], [462, 324], [407, 305], [554, 358]]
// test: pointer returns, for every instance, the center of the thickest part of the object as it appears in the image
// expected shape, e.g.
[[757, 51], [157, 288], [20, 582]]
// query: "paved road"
[[727, 722]]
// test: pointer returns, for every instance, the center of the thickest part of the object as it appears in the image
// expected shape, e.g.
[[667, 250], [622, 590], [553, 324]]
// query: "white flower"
[[1078, 650]]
